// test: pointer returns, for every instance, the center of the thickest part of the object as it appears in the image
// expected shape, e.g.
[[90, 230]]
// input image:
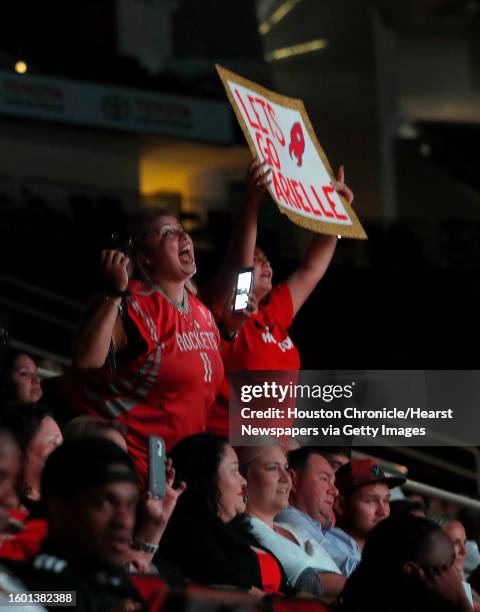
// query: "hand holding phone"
[[243, 286], [156, 467]]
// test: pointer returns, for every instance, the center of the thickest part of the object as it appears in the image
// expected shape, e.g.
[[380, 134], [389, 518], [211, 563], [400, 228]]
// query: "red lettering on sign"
[[327, 190], [269, 152], [251, 99], [279, 134], [286, 190], [249, 119], [263, 104], [294, 185], [325, 212], [278, 188], [314, 210]]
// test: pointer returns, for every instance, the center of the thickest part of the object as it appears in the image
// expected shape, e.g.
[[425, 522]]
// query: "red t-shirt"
[[263, 343], [168, 390]]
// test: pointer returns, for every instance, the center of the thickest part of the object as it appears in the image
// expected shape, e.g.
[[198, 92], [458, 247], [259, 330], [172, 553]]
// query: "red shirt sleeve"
[[137, 314]]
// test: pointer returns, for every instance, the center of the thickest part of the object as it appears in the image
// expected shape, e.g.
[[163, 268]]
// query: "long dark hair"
[[6, 386], [196, 460]]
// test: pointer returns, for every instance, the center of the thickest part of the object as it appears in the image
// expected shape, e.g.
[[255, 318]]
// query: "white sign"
[[279, 132]]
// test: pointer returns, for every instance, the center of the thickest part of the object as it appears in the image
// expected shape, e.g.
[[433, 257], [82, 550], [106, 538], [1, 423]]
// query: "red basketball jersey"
[[168, 390]]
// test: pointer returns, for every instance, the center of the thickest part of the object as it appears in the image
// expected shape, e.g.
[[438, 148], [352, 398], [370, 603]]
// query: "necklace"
[[183, 307]]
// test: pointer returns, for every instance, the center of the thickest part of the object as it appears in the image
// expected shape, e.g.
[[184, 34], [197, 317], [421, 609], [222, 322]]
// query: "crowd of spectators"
[[257, 526]]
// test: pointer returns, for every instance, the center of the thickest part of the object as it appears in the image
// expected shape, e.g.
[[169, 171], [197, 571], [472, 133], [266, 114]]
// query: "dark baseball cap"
[[86, 462], [356, 474]]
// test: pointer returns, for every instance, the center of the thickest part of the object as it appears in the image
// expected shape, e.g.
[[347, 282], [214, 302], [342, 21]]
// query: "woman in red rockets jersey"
[[167, 362], [263, 343]]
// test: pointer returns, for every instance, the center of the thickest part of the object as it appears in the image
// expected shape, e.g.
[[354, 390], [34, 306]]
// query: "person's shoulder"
[[281, 291], [185, 526], [138, 287], [258, 526], [43, 572], [298, 520], [343, 536], [278, 305], [290, 513]]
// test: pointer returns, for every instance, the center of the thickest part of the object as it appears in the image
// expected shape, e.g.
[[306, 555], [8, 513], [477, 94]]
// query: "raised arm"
[[157, 513], [218, 293], [102, 323], [317, 257]]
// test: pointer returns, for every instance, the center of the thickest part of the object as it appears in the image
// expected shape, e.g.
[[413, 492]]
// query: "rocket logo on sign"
[[297, 143]]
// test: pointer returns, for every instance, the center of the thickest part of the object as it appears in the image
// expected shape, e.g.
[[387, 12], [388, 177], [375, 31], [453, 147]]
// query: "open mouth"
[[283, 491], [185, 255]]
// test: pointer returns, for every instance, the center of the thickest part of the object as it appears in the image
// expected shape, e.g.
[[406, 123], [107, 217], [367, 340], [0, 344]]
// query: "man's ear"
[[339, 506]]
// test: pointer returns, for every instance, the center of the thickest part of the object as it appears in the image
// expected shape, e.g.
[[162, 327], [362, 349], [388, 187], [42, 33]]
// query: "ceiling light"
[[277, 15], [21, 67], [300, 49]]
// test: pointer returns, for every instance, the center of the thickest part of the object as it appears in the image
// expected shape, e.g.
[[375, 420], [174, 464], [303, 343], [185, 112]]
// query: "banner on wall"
[[279, 132], [117, 108]]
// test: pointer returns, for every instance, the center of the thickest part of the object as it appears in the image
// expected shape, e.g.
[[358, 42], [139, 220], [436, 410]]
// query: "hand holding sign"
[[341, 187], [280, 134], [258, 181]]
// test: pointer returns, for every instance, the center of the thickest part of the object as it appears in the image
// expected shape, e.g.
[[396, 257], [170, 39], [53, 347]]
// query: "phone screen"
[[156, 466], [242, 289]]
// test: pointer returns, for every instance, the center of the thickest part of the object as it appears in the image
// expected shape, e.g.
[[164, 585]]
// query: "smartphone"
[[156, 466], [243, 286]]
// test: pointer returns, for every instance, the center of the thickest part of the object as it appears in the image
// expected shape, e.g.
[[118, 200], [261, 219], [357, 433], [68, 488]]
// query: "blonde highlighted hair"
[[247, 455]]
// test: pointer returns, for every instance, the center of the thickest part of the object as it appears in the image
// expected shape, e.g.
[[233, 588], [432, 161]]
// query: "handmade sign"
[[279, 132]]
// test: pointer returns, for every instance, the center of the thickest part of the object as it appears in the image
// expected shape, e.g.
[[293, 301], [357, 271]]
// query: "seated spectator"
[[307, 565], [38, 435], [89, 487], [87, 425], [363, 501], [19, 383], [201, 538], [456, 532], [153, 514], [336, 455], [408, 564], [311, 505]]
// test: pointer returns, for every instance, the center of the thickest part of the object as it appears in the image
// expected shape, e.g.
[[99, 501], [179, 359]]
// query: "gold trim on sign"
[[335, 229]]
